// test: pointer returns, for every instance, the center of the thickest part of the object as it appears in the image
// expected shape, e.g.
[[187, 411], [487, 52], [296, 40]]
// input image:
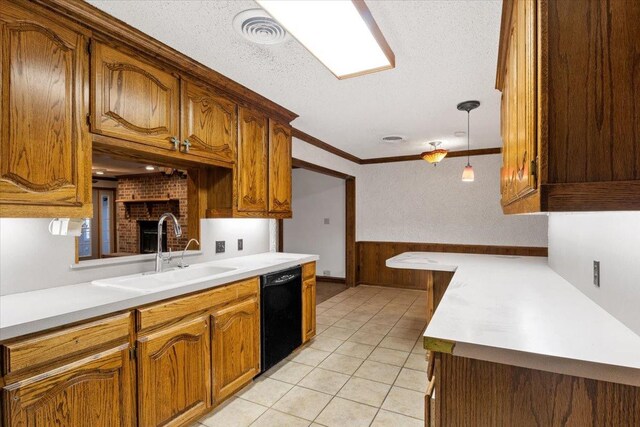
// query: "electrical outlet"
[[239, 244], [326, 272], [219, 246], [327, 221], [596, 273]]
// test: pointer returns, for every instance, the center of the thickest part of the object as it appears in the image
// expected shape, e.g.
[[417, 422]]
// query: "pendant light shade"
[[467, 174], [436, 155]]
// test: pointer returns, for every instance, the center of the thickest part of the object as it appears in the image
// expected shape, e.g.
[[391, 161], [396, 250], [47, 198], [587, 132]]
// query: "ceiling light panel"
[[342, 34]]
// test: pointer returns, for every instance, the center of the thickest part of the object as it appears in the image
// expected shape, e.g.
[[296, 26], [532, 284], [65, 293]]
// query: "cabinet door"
[[93, 392], [174, 374], [236, 347], [45, 164], [518, 112], [251, 168], [308, 309], [132, 99], [209, 123], [279, 168]]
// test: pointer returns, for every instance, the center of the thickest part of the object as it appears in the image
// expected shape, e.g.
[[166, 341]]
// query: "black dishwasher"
[[280, 315]]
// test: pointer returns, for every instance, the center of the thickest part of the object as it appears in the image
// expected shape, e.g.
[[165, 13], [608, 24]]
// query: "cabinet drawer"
[[308, 270], [65, 343], [182, 307]]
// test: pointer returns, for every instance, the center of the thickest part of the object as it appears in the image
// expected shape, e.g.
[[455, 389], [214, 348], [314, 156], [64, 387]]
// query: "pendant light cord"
[[468, 136]]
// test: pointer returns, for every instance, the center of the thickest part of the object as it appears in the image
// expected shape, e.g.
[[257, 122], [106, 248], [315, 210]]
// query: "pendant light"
[[436, 155], [467, 174]]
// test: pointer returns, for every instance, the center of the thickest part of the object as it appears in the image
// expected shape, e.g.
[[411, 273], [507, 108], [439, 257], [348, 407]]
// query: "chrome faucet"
[[182, 264], [176, 228]]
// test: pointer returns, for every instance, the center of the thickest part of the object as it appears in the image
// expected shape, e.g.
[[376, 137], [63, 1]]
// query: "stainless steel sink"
[[152, 282]]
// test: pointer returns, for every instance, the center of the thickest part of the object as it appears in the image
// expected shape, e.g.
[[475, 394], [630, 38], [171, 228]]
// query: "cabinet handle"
[[176, 143], [186, 144]]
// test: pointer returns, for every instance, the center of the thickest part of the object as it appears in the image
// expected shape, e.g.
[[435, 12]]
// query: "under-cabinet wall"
[[25, 242], [577, 240]]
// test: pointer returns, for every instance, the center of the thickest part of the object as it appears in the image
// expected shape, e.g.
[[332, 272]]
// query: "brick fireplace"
[[136, 219]]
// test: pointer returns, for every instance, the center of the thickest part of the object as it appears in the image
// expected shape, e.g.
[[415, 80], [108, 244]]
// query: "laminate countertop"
[[518, 311], [28, 312]]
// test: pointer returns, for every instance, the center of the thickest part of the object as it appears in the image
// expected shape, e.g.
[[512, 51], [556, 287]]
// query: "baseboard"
[[331, 279]]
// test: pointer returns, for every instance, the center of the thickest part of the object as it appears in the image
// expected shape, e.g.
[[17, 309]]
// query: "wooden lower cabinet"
[[174, 374], [308, 309], [236, 347], [481, 393], [94, 392]]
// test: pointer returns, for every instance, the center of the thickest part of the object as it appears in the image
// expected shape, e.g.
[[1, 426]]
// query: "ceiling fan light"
[[467, 174], [434, 156]]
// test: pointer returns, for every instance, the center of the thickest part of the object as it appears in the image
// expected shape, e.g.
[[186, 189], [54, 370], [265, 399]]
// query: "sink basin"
[[152, 282]]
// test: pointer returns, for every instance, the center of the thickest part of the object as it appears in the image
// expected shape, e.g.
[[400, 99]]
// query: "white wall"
[[316, 197], [613, 238], [31, 258], [417, 202]]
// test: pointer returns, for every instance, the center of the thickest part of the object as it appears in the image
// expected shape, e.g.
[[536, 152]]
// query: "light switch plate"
[[240, 244], [219, 246], [596, 273], [327, 220]]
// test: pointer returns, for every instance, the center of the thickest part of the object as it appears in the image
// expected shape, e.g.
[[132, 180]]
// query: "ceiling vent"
[[393, 139], [258, 27]]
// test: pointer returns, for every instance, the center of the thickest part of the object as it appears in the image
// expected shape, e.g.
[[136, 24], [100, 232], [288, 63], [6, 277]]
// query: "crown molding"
[[297, 133]]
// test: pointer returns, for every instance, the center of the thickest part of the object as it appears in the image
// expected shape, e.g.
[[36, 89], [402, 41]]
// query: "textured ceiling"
[[446, 52]]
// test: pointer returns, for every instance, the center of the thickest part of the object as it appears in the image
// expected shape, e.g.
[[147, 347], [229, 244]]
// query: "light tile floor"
[[366, 367]]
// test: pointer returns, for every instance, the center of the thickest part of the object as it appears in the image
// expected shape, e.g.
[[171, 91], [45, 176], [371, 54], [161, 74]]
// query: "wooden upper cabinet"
[[251, 168], [92, 392], [279, 167], [236, 347], [518, 106], [133, 100], [570, 139], [45, 163], [209, 123], [174, 374]]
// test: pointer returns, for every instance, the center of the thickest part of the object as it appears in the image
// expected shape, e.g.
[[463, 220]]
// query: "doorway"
[[323, 223], [98, 235]]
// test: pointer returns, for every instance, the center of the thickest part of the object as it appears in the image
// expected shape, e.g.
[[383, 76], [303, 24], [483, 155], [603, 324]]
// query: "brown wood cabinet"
[[209, 123], [279, 167], [133, 99], [570, 138], [91, 392], [174, 374], [236, 347], [251, 168], [308, 301], [45, 150]]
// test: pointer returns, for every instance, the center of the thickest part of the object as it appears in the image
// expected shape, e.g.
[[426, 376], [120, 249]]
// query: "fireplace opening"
[[149, 237]]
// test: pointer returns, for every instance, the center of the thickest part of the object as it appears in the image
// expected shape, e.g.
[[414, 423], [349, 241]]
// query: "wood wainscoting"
[[372, 256]]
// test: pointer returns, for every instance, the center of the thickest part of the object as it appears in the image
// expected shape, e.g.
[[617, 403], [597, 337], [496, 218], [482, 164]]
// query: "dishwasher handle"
[[282, 279]]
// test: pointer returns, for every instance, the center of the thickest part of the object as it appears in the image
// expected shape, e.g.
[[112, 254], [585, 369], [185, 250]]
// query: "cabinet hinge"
[[132, 353], [534, 168], [89, 119]]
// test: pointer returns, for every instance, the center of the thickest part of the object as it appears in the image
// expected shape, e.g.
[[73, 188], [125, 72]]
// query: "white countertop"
[[518, 311], [28, 312]]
